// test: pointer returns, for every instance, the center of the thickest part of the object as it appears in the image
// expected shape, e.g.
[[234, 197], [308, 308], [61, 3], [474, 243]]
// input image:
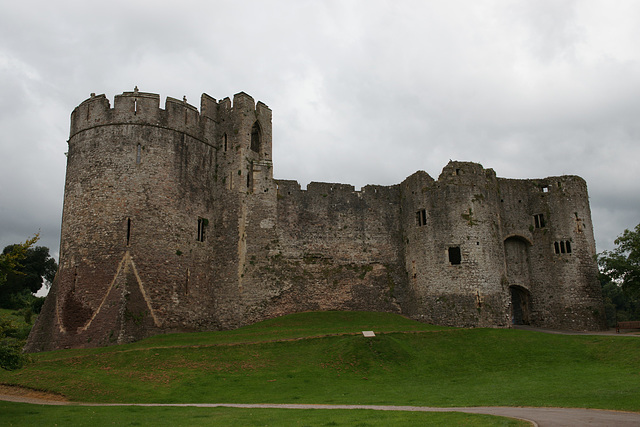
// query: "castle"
[[172, 221]]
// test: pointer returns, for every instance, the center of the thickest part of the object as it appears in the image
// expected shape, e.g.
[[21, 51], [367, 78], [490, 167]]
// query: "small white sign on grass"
[[368, 333]]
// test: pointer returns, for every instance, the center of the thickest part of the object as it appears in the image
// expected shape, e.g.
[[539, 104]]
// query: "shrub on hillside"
[[12, 339]]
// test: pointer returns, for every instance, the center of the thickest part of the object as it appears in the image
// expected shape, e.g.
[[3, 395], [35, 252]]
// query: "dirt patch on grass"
[[29, 393]]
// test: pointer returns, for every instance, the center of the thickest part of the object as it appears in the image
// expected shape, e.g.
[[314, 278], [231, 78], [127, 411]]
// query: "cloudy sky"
[[362, 92]]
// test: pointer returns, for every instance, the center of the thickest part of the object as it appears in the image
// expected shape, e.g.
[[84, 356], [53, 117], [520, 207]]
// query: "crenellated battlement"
[[315, 189], [136, 108], [143, 108]]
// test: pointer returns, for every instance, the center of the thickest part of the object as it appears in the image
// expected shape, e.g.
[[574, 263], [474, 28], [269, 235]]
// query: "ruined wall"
[[483, 251], [454, 250], [172, 221], [331, 248], [552, 219]]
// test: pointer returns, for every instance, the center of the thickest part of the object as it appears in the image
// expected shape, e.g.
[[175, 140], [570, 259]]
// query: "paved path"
[[543, 417]]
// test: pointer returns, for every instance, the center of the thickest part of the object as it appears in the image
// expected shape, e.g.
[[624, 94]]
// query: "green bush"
[[11, 356], [12, 339]]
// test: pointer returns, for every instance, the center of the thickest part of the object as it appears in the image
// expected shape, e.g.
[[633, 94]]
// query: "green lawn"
[[17, 414], [410, 364]]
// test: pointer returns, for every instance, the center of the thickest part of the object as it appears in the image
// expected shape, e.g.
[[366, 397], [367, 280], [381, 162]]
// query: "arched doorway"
[[516, 252], [518, 269], [520, 302]]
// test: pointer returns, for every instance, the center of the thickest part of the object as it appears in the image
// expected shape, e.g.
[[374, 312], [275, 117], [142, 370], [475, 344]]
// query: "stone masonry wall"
[[172, 221], [330, 248], [456, 257]]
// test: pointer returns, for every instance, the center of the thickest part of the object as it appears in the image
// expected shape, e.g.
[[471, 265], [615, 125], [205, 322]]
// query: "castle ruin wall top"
[[142, 108]]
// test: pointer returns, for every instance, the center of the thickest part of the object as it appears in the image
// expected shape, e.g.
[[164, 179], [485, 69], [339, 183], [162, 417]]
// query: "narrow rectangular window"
[[539, 220], [568, 246], [556, 246], [455, 257], [562, 248], [421, 217], [128, 231], [202, 227]]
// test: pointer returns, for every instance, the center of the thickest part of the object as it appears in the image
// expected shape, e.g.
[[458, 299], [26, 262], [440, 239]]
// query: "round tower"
[[150, 225]]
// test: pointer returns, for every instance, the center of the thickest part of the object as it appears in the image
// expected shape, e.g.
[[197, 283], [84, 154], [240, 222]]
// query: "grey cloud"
[[362, 92]]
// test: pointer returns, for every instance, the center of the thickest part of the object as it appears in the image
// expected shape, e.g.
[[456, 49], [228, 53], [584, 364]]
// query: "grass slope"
[[16, 414], [410, 364]]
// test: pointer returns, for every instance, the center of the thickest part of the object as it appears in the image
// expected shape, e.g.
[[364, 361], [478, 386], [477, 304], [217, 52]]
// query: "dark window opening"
[[256, 137], [562, 247], [202, 226], [455, 257], [224, 142], [539, 220], [250, 181], [520, 303], [458, 171], [421, 217], [128, 231]]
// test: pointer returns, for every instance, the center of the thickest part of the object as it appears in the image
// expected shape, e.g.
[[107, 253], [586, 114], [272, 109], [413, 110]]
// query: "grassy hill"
[[323, 358]]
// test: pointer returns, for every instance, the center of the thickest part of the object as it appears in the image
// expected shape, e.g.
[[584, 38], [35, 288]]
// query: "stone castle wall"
[[172, 221]]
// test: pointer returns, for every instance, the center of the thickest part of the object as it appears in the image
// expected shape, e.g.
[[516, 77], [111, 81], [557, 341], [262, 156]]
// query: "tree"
[[620, 278], [622, 265], [25, 269], [619, 305], [10, 258], [18, 263]]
